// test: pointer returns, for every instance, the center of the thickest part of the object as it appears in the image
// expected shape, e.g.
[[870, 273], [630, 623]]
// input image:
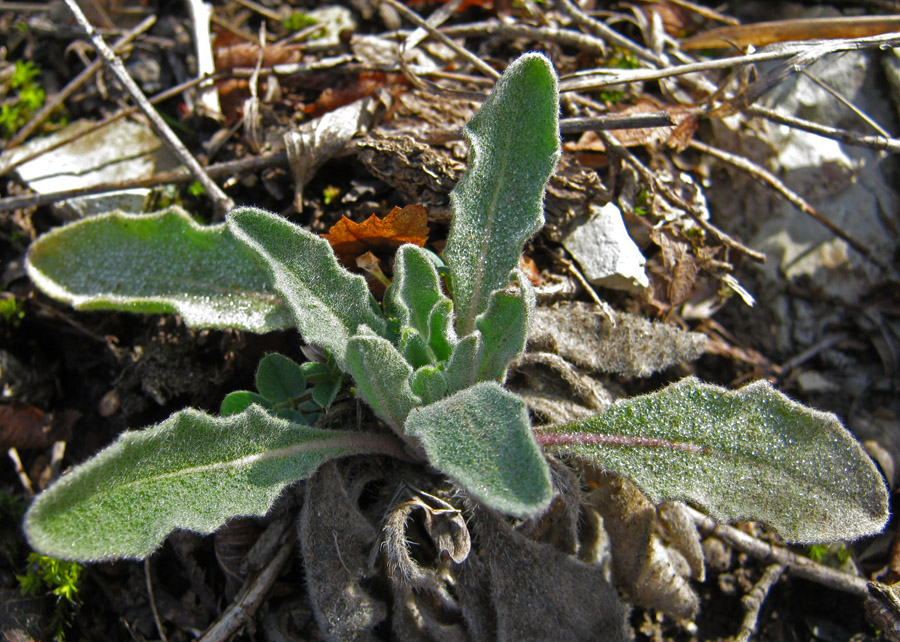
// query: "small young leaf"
[[429, 383], [462, 368], [415, 290], [325, 392], [279, 379], [328, 303], [504, 328], [414, 348], [191, 471], [382, 377], [750, 454], [498, 203], [155, 263], [239, 400], [441, 336], [481, 437]]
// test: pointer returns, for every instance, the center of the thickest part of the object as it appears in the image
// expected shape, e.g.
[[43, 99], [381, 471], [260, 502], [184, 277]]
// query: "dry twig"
[[753, 601], [791, 196], [222, 201], [615, 147], [879, 143], [250, 598], [795, 564]]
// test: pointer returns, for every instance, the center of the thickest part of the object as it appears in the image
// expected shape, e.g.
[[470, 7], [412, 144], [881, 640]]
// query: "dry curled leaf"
[[349, 240], [29, 427], [362, 86]]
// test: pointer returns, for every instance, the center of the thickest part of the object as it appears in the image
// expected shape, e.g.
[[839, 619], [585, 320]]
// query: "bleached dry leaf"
[[321, 139], [650, 573], [631, 346]]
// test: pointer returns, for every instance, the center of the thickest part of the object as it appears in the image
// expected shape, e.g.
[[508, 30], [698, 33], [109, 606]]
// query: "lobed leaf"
[[158, 263], [750, 454], [498, 203], [481, 437], [191, 471], [328, 302]]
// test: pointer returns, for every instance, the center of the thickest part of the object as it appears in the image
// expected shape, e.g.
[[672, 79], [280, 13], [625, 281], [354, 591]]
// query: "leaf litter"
[[415, 153]]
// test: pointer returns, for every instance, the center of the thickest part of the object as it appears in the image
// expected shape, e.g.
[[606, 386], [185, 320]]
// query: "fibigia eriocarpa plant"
[[430, 360]]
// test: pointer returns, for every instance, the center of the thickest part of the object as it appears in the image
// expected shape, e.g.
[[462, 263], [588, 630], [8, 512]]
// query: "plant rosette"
[[430, 361]]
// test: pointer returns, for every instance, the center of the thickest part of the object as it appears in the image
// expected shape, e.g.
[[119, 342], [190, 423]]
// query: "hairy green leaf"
[[191, 471], [504, 328], [429, 383], [158, 263], [462, 367], [382, 377], [415, 289], [279, 379], [441, 336], [750, 454], [328, 302], [498, 203], [481, 437]]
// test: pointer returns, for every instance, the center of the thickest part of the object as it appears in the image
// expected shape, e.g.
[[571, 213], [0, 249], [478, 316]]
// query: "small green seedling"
[[430, 362]]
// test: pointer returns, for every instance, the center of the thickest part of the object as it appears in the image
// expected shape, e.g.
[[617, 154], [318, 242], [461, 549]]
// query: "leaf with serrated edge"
[[329, 303], [191, 471], [504, 328], [481, 437], [498, 203], [158, 263], [750, 454], [382, 377]]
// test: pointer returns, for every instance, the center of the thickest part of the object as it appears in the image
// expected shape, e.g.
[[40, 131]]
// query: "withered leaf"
[[349, 240], [30, 427]]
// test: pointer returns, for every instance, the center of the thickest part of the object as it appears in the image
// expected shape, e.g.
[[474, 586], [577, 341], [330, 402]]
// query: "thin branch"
[[615, 147], [753, 601], [796, 564], [250, 598], [599, 78], [58, 98], [220, 170], [838, 96], [222, 201], [65, 140], [609, 34], [879, 143], [417, 20], [159, 626], [24, 479], [792, 197]]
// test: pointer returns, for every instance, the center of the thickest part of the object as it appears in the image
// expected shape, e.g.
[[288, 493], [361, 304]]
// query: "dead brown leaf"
[[362, 86], [350, 240], [29, 427]]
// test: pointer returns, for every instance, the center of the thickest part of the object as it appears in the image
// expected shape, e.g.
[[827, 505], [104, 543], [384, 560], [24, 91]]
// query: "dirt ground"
[[825, 327]]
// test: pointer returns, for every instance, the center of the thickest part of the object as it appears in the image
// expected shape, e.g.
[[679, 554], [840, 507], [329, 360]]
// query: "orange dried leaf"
[[350, 240]]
